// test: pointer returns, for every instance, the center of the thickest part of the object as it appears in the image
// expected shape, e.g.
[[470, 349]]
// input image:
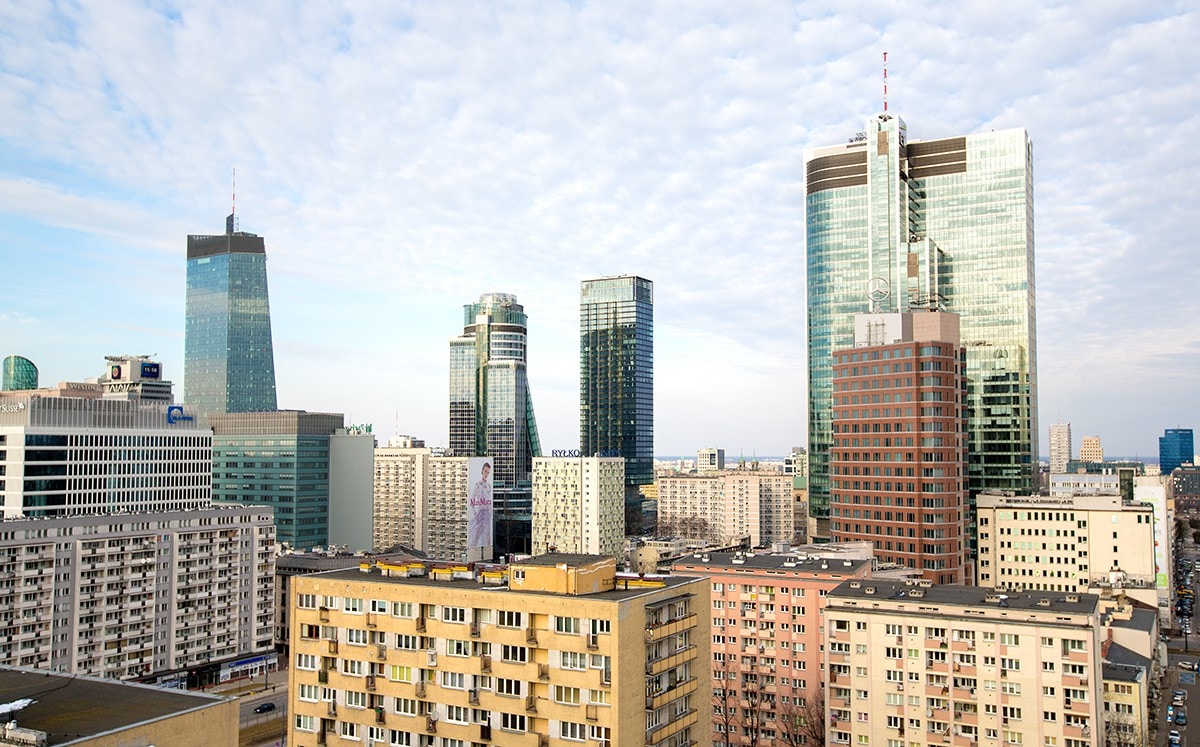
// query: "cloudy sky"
[[402, 158]]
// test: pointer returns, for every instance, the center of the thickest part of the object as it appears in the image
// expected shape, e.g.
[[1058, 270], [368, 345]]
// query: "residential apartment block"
[[767, 636], [578, 505], [399, 488], [927, 664], [1091, 450], [137, 595], [731, 507], [557, 650]]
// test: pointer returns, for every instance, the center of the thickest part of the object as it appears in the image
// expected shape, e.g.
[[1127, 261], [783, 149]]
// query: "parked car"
[[1170, 714], [1174, 738], [1181, 694], [1188, 665], [1181, 717], [264, 707]]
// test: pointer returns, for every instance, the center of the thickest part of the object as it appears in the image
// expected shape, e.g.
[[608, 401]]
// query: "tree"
[[737, 710], [801, 723]]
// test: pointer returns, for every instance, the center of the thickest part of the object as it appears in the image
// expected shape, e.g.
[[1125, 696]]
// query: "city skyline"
[[394, 175]]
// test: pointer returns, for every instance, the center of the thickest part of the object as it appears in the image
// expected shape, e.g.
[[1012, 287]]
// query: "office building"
[[491, 410], [616, 377], [898, 460], [710, 460], [1175, 447], [351, 488], [735, 507], [228, 358], [1060, 447], [135, 377], [578, 505], [279, 459], [67, 455], [1091, 450], [1185, 487], [57, 709], [549, 652], [147, 594], [896, 225], [19, 374], [1068, 544], [930, 664], [768, 641]]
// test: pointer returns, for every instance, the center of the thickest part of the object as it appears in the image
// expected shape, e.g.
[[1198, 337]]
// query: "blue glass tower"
[[616, 375], [229, 363], [19, 374], [1176, 446]]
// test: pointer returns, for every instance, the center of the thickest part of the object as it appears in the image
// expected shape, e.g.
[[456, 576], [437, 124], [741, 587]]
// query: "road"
[[270, 723]]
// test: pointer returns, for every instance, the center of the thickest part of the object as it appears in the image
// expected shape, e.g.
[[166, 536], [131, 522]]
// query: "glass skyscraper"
[[1176, 446], [616, 375], [19, 374], [229, 362], [894, 225], [491, 411]]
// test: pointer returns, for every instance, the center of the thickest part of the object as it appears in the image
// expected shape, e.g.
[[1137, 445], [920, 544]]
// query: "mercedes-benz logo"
[[878, 289]]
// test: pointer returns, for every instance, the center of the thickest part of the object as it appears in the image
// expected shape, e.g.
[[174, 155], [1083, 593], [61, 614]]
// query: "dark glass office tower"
[[229, 363], [491, 411], [894, 225], [616, 375], [19, 374], [1176, 446]]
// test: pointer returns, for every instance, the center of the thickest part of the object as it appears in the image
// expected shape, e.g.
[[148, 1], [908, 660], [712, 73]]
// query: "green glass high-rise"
[[946, 224], [229, 361], [491, 411], [19, 374], [616, 375]]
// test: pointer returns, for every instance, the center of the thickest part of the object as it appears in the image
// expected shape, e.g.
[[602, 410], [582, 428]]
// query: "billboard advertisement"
[[479, 508]]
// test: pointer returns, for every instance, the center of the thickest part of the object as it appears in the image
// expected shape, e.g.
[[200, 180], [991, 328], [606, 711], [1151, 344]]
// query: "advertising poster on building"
[[479, 508]]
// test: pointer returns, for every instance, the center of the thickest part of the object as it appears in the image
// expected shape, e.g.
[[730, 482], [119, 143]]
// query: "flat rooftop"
[[727, 561], [72, 707], [965, 596]]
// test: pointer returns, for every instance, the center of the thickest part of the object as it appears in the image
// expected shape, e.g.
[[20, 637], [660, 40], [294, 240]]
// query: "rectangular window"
[[568, 625], [458, 648], [402, 609], [458, 714], [356, 699], [305, 723], [406, 706], [356, 637], [306, 661], [309, 693], [454, 614], [566, 695], [400, 673], [573, 660], [600, 697], [518, 654], [306, 601], [512, 722], [573, 731], [354, 606], [350, 666], [508, 687], [509, 619], [379, 606], [454, 680]]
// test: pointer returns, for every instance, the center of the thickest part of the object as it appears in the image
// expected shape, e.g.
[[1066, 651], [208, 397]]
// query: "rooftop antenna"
[[233, 207], [885, 81]]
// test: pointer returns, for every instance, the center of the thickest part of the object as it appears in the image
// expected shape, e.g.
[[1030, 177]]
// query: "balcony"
[[662, 664], [473, 696], [421, 624], [543, 671], [323, 614], [420, 689], [592, 712], [370, 683], [381, 651], [371, 620], [485, 663], [431, 658], [657, 632], [485, 732], [593, 641], [380, 715], [531, 635], [323, 676], [475, 629], [431, 724], [333, 647], [656, 700], [530, 704]]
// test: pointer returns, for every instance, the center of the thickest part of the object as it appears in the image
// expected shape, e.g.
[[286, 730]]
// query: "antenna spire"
[[885, 81], [231, 225]]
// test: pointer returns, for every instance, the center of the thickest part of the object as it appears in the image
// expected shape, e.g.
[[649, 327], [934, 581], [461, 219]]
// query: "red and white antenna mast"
[[885, 81]]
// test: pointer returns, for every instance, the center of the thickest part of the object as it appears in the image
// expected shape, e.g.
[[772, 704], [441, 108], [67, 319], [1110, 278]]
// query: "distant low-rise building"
[[1091, 450]]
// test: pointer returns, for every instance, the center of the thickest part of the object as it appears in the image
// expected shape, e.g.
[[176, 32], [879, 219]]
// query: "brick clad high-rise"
[[898, 463]]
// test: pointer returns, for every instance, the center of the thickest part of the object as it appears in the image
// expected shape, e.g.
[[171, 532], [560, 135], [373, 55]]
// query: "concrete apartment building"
[[556, 650], [898, 459], [736, 506], [139, 595], [1072, 544], [578, 505], [62, 454], [929, 664], [767, 636], [1060, 447], [1090, 450]]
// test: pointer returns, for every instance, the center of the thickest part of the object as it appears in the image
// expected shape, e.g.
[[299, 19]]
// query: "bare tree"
[[737, 712], [802, 722]]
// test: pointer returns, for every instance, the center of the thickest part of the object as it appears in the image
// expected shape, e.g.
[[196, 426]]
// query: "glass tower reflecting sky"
[[1176, 446], [616, 374], [19, 374], [229, 362], [491, 411], [945, 224]]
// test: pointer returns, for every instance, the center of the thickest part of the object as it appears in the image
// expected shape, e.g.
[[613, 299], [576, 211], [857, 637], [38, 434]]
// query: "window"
[[569, 625], [458, 714], [309, 693], [400, 674], [306, 601], [573, 731], [354, 606], [356, 637], [349, 730], [1010, 639], [566, 695], [454, 614], [400, 738], [356, 699], [573, 660], [306, 661], [379, 606], [305, 723], [601, 734], [408, 642], [406, 706], [518, 654], [458, 648], [600, 697], [454, 680], [512, 722], [350, 666], [402, 609], [508, 687], [509, 619]]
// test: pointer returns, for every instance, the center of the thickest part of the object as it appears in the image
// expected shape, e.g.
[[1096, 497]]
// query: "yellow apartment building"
[[915, 663], [552, 651]]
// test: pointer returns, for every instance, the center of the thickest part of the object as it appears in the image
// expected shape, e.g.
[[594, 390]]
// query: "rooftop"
[[786, 562], [74, 707], [965, 596]]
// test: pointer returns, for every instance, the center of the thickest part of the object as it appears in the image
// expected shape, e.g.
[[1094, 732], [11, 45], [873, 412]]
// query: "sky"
[[401, 159]]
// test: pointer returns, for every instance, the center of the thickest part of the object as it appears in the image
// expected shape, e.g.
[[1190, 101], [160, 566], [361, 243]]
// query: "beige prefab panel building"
[[556, 650], [917, 663], [1092, 543], [578, 505], [736, 506], [400, 475]]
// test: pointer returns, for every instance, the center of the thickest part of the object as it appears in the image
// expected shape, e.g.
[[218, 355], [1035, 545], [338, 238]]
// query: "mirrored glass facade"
[[19, 374], [946, 224], [616, 374], [1176, 447], [229, 361], [491, 411]]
